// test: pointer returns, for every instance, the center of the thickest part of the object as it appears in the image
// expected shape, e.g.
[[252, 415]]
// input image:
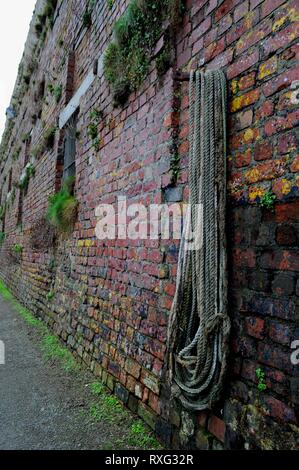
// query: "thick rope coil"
[[199, 325]]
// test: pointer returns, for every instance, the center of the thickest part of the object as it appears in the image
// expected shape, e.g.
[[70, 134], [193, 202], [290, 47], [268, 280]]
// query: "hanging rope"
[[198, 325]]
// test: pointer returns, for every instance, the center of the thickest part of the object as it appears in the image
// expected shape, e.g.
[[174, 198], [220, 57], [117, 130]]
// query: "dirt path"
[[44, 407]]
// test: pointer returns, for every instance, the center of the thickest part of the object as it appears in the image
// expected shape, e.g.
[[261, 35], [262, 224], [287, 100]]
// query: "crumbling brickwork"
[[109, 301]]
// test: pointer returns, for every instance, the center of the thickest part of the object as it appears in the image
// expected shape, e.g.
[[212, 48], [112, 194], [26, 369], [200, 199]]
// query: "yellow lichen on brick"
[[252, 176], [277, 24], [234, 86], [80, 243], [88, 243], [255, 192], [267, 68], [248, 135], [286, 186]]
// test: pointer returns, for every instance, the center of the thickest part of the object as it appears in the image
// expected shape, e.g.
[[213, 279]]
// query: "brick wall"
[[112, 299]]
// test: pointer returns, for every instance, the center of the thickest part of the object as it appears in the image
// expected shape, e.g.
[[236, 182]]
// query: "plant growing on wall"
[[62, 209], [110, 4], [17, 248], [49, 138], [2, 237], [16, 154], [56, 91], [96, 116], [267, 200], [87, 15], [127, 58], [261, 379]]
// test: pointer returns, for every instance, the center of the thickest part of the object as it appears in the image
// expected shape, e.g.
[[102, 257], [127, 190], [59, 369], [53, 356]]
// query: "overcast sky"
[[14, 26]]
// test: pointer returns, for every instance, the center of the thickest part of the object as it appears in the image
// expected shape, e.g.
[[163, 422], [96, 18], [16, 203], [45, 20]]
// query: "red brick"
[[280, 333], [247, 81], [216, 426], [243, 159], [253, 37], [200, 30], [286, 143], [279, 411], [226, 6], [263, 151], [287, 212], [281, 82], [283, 260], [244, 100], [214, 49], [285, 235], [243, 119], [279, 124], [242, 64], [202, 418], [241, 10], [265, 110], [244, 258], [295, 165], [255, 327], [270, 5], [281, 38]]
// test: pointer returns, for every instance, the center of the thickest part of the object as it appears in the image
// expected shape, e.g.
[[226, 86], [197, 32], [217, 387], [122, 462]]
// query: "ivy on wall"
[[127, 58]]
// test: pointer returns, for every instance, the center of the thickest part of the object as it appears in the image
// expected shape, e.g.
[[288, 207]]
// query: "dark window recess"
[[69, 154]]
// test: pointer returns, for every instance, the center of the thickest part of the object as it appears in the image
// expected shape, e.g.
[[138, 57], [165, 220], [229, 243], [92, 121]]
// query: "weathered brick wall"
[[112, 299]]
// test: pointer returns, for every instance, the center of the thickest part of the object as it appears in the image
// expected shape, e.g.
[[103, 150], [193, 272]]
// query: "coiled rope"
[[199, 325]]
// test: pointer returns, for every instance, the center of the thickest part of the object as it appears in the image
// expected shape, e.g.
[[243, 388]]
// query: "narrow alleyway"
[[41, 405]]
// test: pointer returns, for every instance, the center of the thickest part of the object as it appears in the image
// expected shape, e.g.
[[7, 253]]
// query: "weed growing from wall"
[[267, 200], [127, 58], [28, 173], [96, 116], [56, 91], [261, 379]]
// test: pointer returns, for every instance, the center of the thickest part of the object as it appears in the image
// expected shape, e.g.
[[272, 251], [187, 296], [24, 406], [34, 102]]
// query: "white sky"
[[14, 26]]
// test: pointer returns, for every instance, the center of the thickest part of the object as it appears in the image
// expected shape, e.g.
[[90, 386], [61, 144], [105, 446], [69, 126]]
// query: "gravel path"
[[41, 406]]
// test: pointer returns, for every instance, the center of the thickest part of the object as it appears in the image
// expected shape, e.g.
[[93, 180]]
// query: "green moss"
[[50, 296], [29, 172], [93, 130], [49, 137], [62, 209], [261, 379], [2, 237], [110, 4], [16, 154], [96, 116], [18, 249], [127, 59], [56, 91]]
